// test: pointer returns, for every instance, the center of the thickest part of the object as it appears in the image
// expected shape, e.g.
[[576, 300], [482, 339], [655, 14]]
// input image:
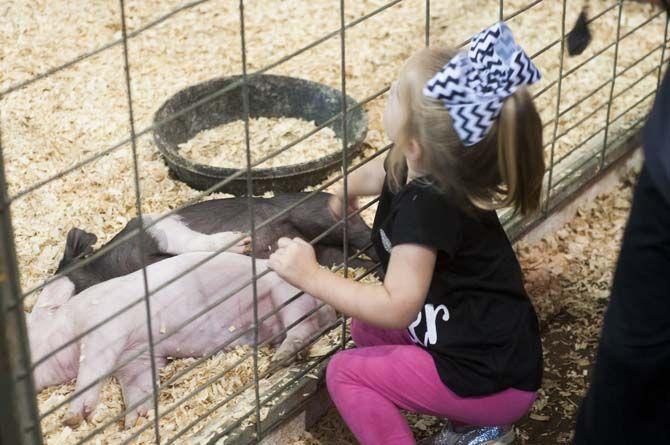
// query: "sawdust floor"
[[568, 276], [63, 119]]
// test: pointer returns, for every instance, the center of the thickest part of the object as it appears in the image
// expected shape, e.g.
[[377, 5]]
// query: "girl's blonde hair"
[[505, 168]]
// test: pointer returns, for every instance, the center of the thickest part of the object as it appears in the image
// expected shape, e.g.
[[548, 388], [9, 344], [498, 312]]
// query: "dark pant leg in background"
[[629, 398]]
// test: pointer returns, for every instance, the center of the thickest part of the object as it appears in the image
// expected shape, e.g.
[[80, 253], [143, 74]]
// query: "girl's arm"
[[392, 305], [365, 181]]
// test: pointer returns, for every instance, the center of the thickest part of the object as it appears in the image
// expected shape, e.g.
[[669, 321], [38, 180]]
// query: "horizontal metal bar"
[[582, 143], [552, 84], [318, 128], [216, 378], [521, 10], [600, 108], [330, 35], [590, 159], [595, 155], [607, 82], [243, 388], [557, 41], [628, 130], [611, 45], [297, 377], [587, 117], [578, 67], [191, 107], [598, 53], [349, 216], [507, 17], [579, 102], [125, 141], [84, 56], [168, 410], [305, 316], [647, 96], [302, 373], [164, 412]]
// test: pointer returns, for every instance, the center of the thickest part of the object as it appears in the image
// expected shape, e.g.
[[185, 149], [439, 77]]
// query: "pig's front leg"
[[299, 335], [135, 380], [175, 237], [99, 353]]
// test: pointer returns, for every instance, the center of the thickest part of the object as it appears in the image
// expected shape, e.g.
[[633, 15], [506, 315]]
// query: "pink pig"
[[58, 317]]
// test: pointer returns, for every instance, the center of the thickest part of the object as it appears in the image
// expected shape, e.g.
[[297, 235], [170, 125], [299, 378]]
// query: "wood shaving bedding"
[[52, 124], [225, 145]]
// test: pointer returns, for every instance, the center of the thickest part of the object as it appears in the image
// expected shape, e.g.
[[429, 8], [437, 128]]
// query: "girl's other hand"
[[294, 261], [336, 204]]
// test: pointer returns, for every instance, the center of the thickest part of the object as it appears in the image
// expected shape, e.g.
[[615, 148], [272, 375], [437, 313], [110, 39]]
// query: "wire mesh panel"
[[83, 149]]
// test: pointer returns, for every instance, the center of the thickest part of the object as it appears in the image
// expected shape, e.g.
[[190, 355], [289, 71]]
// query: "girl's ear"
[[414, 151]]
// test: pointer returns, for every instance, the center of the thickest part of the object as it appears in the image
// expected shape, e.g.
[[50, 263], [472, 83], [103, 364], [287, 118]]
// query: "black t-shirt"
[[477, 321], [657, 139]]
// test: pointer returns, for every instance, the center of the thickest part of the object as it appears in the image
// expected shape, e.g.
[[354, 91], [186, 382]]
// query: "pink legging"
[[387, 371]]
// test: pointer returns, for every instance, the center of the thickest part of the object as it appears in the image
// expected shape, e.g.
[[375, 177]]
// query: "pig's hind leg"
[[136, 384], [98, 357], [297, 337], [173, 236]]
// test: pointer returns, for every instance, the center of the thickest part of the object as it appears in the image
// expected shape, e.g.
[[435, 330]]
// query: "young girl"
[[467, 139]]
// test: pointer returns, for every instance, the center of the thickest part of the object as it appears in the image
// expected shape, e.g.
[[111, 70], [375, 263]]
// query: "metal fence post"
[[18, 405], [557, 116]]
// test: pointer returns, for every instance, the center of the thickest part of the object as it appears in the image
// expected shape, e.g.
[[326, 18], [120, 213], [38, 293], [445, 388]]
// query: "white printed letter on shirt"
[[413, 326], [431, 316]]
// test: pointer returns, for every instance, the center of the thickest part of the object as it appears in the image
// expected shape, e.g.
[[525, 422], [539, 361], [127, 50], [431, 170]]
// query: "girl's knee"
[[334, 368], [339, 370]]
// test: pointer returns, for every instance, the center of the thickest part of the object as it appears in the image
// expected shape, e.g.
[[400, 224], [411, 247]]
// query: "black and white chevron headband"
[[474, 84]]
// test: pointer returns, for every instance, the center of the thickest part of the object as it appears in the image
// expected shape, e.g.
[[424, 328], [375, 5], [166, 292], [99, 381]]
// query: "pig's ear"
[[79, 243], [55, 294]]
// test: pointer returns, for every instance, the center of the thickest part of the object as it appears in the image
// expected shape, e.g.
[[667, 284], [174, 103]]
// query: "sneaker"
[[475, 435]]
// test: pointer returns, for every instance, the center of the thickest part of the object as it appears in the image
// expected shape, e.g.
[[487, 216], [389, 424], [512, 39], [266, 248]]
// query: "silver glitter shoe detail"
[[487, 435]]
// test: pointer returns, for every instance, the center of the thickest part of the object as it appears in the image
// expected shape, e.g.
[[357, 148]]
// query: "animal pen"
[[80, 90]]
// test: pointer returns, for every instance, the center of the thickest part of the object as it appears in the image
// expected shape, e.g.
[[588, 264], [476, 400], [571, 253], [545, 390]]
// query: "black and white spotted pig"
[[206, 226]]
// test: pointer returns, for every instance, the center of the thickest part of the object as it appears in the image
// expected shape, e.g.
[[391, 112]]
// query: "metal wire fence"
[[583, 160]]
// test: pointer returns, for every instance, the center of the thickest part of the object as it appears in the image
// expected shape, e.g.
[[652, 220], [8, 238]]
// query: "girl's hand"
[[294, 261], [336, 204]]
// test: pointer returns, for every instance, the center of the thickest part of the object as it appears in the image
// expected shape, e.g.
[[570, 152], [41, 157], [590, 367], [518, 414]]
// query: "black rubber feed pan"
[[269, 96]]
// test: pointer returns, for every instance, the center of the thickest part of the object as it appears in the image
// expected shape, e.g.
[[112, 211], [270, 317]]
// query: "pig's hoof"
[[284, 358], [134, 419], [220, 240], [275, 366], [74, 420]]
